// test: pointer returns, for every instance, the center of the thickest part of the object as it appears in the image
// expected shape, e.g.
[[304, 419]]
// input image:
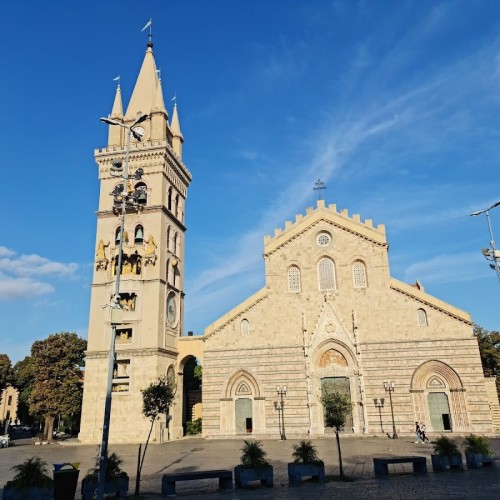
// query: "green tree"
[[156, 400], [23, 379], [337, 407], [5, 371], [489, 350], [58, 383]]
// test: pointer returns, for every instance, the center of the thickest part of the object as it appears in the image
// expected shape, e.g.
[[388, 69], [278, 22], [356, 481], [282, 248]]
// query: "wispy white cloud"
[[22, 288], [17, 274], [448, 268]]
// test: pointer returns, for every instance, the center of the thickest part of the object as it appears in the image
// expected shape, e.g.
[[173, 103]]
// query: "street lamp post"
[[277, 405], [282, 392], [379, 403], [389, 387], [491, 254], [126, 201]]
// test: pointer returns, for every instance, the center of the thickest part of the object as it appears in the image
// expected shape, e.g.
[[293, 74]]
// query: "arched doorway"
[[438, 397], [242, 408], [334, 367], [191, 392]]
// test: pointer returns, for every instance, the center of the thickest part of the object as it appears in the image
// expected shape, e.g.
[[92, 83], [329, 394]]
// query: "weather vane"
[[319, 185]]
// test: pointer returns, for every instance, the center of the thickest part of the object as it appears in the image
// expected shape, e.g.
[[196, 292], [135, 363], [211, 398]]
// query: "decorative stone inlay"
[[330, 327]]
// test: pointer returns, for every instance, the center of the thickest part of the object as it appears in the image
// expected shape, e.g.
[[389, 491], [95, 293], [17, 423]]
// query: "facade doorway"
[[342, 386], [243, 416], [439, 411]]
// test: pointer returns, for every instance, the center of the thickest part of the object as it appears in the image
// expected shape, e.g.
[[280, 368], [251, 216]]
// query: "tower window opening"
[[169, 199], [141, 193], [139, 235]]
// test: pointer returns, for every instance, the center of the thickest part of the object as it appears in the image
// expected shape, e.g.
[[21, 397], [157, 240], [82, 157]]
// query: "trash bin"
[[65, 480]]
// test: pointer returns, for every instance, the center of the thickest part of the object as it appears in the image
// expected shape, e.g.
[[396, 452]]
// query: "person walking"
[[422, 434], [418, 435]]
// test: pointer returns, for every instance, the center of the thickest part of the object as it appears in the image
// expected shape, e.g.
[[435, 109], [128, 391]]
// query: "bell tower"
[[151, 291]]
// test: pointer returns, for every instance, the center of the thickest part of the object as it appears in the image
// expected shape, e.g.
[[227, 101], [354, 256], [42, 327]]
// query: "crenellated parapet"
[[328, 214]]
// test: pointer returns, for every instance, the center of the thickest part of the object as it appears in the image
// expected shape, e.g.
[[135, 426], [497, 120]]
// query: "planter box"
[[297, 471], [443, 463], [243, 476], [477, 460], [118, 487], [10, 493]]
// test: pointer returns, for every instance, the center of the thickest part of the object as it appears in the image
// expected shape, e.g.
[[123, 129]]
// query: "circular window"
[[324, 239]]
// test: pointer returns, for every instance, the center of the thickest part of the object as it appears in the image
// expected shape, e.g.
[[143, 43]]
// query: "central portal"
[[342, 386]]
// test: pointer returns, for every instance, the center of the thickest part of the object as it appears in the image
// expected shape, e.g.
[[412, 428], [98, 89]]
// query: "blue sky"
[[394, 104]]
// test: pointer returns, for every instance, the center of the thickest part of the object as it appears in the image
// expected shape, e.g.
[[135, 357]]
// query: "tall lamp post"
[[379, 403], [282, 392], [128, 199], [491, 254], [389, 387]]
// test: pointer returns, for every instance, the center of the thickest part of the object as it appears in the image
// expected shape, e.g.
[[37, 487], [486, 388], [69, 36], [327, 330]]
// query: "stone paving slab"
[[198, 454]]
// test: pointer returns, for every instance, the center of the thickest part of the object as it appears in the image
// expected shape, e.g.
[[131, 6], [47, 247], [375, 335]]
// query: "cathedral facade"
[[329, 313]]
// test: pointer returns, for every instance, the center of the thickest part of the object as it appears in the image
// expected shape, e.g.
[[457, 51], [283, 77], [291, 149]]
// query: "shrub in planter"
[[31, 482], [116, 479], [253, 466], [306, 463], [477, 451], [446, 455]]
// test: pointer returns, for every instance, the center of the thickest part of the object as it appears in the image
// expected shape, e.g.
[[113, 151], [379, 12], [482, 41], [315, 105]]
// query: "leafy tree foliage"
[[337, 407], [24, 377], [156, 400], [489, 349], [5, 371], [57, 385]]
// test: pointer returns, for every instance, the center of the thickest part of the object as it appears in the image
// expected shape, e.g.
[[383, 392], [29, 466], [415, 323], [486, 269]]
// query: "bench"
[[381, 469], [168, 480]]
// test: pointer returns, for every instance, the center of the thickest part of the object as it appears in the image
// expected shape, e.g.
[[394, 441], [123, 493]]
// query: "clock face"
[[171, 309], [139, 131]]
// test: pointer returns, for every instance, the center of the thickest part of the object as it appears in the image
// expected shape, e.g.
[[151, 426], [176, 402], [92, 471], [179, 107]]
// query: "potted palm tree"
[[253, 466], [116, 479], [306, 463], [446, 455], [477, 451], [31, 482]]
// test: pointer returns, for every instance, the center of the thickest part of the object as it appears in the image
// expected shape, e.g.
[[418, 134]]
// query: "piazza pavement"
[[190, 454]]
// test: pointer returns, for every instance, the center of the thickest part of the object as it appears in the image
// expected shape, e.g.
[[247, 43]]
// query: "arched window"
[[422, 317], [142, 193], [359, 274], [118, 236], [326, 274], [167, 270], [169, 198], [294, 279], [244, 327], [176, 210], [139, 235], [168, 238], [174, 249]]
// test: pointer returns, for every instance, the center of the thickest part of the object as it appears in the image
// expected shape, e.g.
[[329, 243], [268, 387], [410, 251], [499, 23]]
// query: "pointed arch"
[[432, 383], [433, 368], [235, 381]]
